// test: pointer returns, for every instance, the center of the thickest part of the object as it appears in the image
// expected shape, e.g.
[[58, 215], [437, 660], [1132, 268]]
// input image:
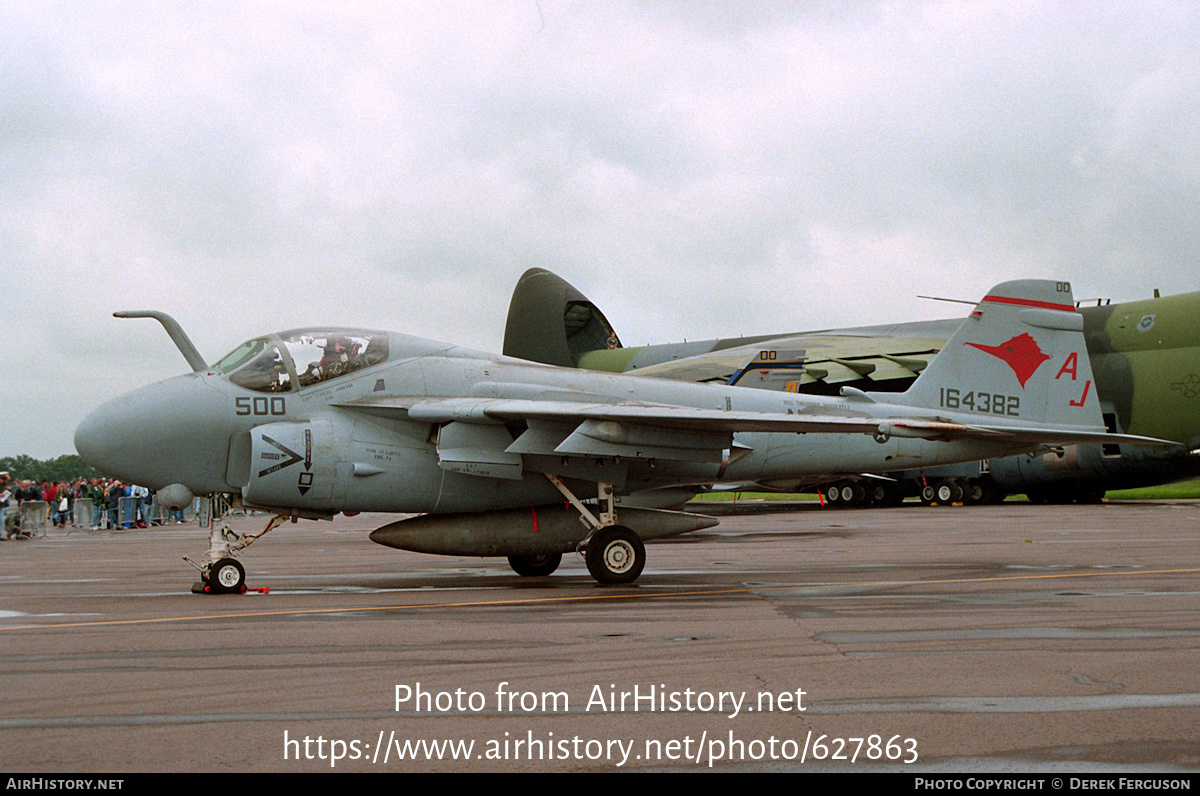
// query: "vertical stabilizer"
[[1020, 355]]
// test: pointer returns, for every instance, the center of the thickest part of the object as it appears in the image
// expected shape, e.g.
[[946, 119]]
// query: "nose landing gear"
[[227, 576], [221, 573]]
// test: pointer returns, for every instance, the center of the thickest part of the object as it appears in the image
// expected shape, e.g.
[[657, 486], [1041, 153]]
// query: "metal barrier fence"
[[127, 512], [108, 517], [158, 514], [9, 521], [33, 517], [81, 513]]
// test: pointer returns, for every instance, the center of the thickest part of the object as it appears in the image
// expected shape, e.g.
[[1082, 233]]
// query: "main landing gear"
[[535, 566], [614, 554], [221, 573]]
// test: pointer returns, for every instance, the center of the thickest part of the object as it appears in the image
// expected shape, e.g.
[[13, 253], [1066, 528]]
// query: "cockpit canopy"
[[300, 359]]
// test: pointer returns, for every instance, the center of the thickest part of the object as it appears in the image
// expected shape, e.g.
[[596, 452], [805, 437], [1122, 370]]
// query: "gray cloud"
[[697, 169]]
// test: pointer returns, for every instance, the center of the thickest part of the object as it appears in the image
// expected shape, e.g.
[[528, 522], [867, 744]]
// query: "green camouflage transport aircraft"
[[1145, 356]]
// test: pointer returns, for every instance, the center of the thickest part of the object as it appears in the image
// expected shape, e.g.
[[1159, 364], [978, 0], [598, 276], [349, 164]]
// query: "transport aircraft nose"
[[171, 432]]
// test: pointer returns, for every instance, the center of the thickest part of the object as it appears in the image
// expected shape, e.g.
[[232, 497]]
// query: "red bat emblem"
[[1022, 354]]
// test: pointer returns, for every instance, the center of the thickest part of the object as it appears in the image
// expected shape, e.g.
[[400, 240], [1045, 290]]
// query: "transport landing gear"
[[855, 493], [945, 492], [221, 572], [614, 554]]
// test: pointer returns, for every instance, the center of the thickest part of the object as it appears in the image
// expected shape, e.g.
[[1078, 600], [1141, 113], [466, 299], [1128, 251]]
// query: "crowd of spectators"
[[104, 496]]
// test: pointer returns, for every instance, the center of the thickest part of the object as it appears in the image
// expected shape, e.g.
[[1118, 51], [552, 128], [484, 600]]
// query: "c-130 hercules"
[[310, 422]]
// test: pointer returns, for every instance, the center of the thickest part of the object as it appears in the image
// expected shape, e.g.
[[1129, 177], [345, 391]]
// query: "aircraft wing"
[[666, 416], [831, 358], [667, 431]]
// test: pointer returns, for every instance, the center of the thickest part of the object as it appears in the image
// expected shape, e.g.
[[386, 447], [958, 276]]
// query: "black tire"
[[980, 492], [928, 494], [227, 577], [535, 566], [893, 495], [615, 555], [948, 492], [884, 494]]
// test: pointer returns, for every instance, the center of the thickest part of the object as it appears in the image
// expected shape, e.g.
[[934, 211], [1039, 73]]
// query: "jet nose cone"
[[171, 432], [99, 436]]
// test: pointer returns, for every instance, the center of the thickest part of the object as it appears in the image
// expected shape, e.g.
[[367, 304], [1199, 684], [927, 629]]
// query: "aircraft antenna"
[[952, 301]]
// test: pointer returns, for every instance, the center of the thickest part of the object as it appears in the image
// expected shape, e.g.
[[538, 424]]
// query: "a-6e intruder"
[[310, 422]]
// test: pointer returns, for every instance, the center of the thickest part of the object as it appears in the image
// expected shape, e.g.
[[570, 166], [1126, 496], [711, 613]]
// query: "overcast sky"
[[698, 169]]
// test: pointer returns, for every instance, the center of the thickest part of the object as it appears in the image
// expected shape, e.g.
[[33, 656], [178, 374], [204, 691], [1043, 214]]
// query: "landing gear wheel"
[[948, 492], [887, 494], [884, 494], [227, 577], [615, 555], [981, 492], [535, 566]]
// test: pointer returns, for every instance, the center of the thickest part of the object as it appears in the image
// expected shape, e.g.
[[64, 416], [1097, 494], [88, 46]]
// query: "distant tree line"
[[65, 468]]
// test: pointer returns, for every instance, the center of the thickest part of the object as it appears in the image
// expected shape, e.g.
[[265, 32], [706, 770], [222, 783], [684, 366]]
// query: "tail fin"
[[549, 321], [1020, 355]]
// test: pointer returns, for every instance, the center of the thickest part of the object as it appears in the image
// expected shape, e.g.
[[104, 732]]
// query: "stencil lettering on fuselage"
[[305, 482], [292, 456]]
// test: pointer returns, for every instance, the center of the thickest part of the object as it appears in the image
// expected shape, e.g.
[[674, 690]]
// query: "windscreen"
[[300, 359]]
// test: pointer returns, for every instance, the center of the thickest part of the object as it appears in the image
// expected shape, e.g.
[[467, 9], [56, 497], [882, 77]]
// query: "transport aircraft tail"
[[549, 321]]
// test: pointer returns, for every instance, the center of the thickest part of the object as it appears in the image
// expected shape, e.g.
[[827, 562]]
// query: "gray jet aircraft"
[[310, 422]]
